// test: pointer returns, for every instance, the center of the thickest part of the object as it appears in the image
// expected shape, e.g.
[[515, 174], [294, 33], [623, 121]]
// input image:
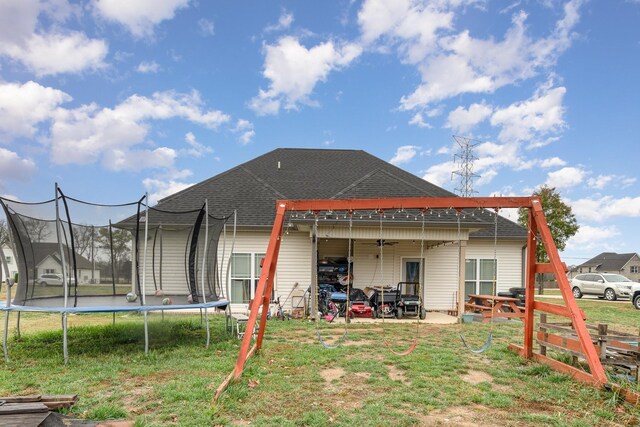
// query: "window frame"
[[249, 282], [473, 276]]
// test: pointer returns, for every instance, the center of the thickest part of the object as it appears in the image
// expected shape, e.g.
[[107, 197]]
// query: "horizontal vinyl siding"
[[509, 256], [405, 233], [441, 277], [294, 260]]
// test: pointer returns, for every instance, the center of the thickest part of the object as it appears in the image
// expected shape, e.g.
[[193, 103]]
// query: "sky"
[[114, 98]]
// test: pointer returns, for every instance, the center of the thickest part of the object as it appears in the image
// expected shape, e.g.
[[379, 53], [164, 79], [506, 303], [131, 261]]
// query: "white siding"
[[294, 263], [509, 255]]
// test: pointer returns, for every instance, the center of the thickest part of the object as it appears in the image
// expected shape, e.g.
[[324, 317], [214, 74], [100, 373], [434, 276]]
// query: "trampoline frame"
[[142, 308]]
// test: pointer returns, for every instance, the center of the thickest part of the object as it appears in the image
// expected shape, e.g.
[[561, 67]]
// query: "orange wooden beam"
[[556, 309], [530, 286], [409, 203], [575, 373], [268, 267], [548, 268], [590, 352]]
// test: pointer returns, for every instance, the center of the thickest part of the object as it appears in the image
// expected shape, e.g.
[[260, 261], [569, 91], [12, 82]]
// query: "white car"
[[53, 279], [607, 285], [635, 295]]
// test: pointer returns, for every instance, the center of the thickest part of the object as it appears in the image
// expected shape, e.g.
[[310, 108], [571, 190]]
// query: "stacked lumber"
[[32, 409]]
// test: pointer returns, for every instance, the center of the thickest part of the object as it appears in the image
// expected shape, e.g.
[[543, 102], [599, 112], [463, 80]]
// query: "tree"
[[561, 220], [4, 233], [122, 240]]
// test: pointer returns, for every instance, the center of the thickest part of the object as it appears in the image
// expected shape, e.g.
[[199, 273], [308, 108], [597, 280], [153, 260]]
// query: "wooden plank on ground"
[[20, 399], [14, 420], [23, 408]]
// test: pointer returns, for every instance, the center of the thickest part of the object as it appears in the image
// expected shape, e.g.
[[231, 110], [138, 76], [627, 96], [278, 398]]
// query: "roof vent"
[[278, 164]]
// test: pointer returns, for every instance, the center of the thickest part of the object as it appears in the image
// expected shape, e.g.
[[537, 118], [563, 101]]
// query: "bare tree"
[[4, 232], [85, 240], [37, 230]]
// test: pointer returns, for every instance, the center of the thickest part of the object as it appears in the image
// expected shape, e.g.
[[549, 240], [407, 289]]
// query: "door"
[[412, 271]]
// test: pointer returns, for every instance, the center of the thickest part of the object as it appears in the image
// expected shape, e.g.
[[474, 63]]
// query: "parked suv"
[[606, 285], [53, 279], [635, 295]]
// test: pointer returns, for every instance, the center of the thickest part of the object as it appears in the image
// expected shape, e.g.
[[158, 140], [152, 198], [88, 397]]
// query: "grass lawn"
[[296, 382]]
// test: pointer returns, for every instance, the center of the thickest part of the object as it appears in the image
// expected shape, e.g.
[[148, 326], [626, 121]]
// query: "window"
[[49, 271], [479, 275], [8, 258], [245, 272], [635, 269]]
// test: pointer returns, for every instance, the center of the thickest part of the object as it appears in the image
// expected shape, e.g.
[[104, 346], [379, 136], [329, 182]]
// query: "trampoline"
[[106, 255]]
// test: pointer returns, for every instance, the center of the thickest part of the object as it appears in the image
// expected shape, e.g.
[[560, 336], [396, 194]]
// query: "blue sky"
[[112, 98]]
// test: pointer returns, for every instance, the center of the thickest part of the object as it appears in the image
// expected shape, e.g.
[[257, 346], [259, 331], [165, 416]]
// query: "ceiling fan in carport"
[[381, 242]]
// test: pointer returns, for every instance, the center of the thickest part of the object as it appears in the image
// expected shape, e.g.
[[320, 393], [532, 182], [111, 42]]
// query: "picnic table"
[[491, 306]]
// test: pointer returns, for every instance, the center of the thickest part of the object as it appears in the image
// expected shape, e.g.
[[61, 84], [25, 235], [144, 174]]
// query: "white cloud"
[[245, 129], [440, 174], [195, 149], [47, 51], [566, 177], [552, 162], [123, 158], [88, 133], [404, 154], [24, 106], [148, 67], [418, 120], [589, 238], [139, 16], [451, 62], [462, 120], [159, 189], [12, 167], [294, 70], [530, 119], [284, 22], [605, 208], [412, 25], [600, 181], [206, 27]]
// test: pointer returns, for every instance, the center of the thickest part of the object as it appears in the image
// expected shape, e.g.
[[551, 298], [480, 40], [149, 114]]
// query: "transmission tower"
[[464, 161]]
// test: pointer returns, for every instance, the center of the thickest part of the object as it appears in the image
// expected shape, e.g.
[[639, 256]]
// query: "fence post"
[[602, 339], [543, 319]]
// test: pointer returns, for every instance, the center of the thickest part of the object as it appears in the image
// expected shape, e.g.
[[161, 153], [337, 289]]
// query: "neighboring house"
[[11, 262], [47, 260], [252, 188], [627, 265]]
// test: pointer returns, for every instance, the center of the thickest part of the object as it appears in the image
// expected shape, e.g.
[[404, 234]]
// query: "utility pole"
[[464, 160]]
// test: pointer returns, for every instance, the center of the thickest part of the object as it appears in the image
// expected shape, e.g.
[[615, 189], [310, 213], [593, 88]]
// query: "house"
[[382, 251], [627, 265], [47, 260], [11, 263]]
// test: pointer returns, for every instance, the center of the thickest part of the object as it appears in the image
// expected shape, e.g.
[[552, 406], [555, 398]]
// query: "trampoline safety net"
[[100, 252]]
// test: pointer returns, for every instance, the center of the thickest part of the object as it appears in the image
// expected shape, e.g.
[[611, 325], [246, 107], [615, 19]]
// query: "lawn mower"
[[382, 300], [359, 305]]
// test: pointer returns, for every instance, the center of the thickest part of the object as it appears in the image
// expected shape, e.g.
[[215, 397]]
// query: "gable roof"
[[608, 261], [42, 250], [253, 188]]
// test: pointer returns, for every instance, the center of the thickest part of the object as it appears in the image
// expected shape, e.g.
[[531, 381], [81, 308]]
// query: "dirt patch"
[[397, 375], [359, 342], [477, 377], [331, 374], [464, 416]]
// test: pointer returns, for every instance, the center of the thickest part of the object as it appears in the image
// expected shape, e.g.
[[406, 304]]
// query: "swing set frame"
[[538, 229]]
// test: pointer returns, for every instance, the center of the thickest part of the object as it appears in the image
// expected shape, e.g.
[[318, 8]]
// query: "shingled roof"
[[42, 250], [252, 188], [608, 261]]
